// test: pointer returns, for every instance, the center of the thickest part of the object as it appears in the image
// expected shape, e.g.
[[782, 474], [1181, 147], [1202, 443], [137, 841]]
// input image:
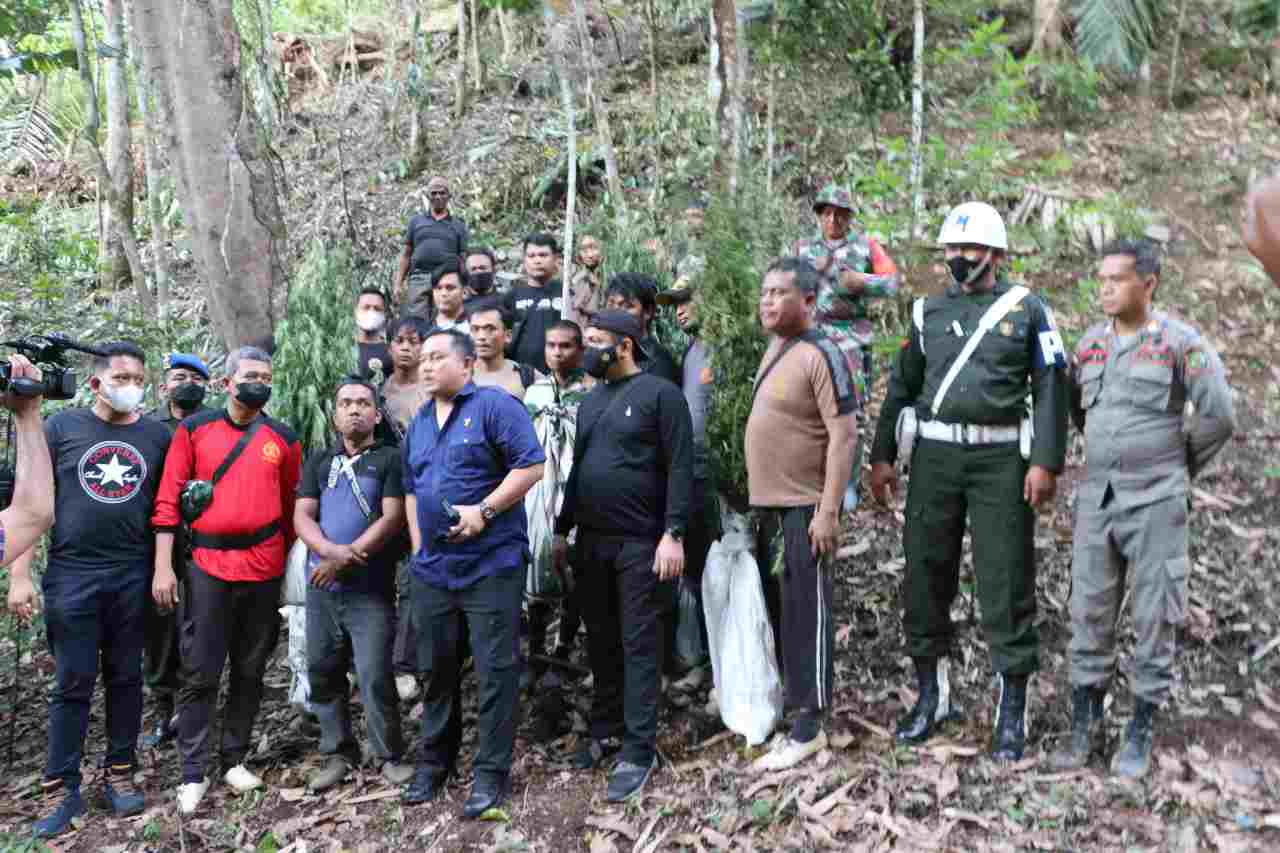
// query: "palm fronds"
[[1116, 33], [27, 128]]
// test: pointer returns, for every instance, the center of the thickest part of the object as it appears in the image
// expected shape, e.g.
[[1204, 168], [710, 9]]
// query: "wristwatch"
[[676, 533], [487, 512]]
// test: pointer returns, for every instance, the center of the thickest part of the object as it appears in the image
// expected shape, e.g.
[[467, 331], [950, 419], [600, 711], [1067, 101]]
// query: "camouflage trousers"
[[418, 300], [1148, 544]]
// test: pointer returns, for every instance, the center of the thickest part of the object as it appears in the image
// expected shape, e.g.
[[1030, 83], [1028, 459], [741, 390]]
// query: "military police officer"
[[1132, 377], [961, 382]]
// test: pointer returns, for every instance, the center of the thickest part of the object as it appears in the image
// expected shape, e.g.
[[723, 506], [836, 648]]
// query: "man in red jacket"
[[228, 601]]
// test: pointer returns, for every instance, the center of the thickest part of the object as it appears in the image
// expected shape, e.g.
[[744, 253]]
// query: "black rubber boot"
[[1088, 734], [1134, 758], [1009, 734], [933, 705]]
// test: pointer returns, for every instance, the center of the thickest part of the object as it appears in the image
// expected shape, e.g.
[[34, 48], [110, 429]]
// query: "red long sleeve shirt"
[[258, 489]]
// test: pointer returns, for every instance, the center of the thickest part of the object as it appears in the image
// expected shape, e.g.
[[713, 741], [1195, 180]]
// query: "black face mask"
[[480, 282], [964, 271], [253, 394], [188, 396], [596, 361]]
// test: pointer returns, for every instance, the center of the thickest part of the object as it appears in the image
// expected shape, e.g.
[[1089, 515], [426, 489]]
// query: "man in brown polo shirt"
[[800, 446]]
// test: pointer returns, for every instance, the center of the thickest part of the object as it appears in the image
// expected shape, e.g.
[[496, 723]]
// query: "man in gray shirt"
[[1132, 377], [704, 508]]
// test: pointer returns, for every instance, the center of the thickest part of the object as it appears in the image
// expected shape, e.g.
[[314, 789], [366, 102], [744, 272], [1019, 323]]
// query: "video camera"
[[48, 352]]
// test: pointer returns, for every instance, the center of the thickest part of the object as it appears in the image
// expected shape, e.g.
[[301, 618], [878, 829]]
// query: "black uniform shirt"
[[633, 460], [433, 240]]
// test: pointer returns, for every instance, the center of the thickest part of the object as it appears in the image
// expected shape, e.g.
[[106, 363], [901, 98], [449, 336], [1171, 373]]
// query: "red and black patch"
[[1156, 352], [1093, 352]]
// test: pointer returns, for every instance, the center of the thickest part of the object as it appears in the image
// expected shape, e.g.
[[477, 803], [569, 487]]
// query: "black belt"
[[235, 541]]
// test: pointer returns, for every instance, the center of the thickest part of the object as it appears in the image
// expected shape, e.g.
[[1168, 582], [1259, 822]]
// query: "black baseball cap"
[[621, 323]]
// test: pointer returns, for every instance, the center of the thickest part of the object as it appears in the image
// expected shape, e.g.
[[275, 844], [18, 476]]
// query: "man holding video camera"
[[30, 513]]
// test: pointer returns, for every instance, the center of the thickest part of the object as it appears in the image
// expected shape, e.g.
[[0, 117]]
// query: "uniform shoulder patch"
[[1050, 349]]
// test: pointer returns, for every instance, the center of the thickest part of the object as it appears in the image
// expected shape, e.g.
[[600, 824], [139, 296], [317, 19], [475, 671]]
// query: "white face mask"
[[371, 321], [122, 399]]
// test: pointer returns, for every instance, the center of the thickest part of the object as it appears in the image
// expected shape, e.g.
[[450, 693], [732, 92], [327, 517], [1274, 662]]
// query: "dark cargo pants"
[[1149, 544], [984, 484]]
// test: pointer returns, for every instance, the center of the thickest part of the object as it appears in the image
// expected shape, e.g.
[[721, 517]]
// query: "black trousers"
[[223, 620], [704, 529], [161, 669], [622, 603], [798, 592], [490, 610]]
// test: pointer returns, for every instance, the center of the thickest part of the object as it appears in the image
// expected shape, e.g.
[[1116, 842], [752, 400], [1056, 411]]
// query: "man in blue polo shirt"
[[350, 512], [470, 455]]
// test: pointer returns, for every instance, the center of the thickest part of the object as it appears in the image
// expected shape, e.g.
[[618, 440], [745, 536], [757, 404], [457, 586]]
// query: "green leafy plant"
[[1118, 33]]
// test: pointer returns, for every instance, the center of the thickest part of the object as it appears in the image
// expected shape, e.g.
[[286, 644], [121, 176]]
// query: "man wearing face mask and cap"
[[972, 358], [628, 495], [181, 395], [232, 475], [107, 463]]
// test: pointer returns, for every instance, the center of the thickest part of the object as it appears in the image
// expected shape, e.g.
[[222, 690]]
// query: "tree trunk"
[[460, 84], [770, 140], [713, 64], [150, 114], [1177, 48], [723, 168], [738, 101], [264, 89], [111, 255], [122, 219], [225, 182], [599, 110], [477, 68], [1144, 77], [651, 13], [504, 27], [1047, 27], [917, 122], [416, 81], [558, 48]]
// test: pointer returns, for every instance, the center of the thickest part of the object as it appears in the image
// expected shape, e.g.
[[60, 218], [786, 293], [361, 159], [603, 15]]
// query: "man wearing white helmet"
[[957, 409]]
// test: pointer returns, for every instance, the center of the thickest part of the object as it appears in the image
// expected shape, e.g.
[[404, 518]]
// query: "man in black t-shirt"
[[535, 303], [428, 241], [107, 463], [637, 295], [181, 395], [350, 512], [373, 357]]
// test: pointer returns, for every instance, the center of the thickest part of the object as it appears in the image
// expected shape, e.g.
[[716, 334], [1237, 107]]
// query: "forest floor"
[[1216, 781]]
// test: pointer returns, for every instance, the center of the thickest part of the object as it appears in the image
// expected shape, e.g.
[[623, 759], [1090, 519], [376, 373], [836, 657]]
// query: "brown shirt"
[[788, 429]]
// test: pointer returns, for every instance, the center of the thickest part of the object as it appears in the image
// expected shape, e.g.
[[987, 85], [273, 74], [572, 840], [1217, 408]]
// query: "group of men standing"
[[479, 424]]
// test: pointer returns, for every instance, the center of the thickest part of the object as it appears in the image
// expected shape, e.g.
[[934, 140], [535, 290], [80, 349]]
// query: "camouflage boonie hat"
[[687, 275], [835, 195]]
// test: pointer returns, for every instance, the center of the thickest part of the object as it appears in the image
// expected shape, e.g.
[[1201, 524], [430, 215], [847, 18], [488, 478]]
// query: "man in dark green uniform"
[[181, 395], [961, 383]]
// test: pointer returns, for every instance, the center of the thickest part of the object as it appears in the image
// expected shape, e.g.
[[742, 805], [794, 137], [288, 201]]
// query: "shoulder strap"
[[526, 374], [842, 385], [348, 468], [993, 315], [764, 374], [236, 451], [917, 318]]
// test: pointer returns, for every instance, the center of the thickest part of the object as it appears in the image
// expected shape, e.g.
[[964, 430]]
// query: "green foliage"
[[319, 16], [315, 338], [1067, 91], [20, 842], [1117, 33], [1256, 17], [19, 18]]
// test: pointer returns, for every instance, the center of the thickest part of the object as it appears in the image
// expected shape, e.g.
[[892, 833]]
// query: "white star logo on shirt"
[[113, 471]]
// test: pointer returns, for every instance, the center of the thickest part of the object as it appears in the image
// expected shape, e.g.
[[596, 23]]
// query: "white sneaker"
[[241, 780], [713, 704], [190, 794], [788, 753], [406, 686]]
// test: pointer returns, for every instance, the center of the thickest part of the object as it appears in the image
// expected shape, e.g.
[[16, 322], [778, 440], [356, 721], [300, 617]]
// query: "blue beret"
[[187, 360]]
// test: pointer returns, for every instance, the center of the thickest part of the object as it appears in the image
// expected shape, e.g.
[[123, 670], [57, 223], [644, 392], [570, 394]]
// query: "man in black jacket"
[[628, 495]]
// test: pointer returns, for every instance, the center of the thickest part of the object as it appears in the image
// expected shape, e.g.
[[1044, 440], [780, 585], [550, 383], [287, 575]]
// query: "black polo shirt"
[[433, 240]]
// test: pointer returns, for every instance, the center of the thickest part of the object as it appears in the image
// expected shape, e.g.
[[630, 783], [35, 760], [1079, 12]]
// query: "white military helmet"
[[974, 222]]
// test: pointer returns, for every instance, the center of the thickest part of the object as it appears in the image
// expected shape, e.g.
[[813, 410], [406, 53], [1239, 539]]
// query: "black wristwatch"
[[676, 533], [487, 512]]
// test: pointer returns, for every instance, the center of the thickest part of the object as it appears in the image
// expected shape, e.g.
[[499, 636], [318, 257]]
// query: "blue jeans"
[[91, 615], [342, 627]]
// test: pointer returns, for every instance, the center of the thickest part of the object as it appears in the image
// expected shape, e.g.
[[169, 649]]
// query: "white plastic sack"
[[294, 589], [554, 425], [744, 662], [300, 685]]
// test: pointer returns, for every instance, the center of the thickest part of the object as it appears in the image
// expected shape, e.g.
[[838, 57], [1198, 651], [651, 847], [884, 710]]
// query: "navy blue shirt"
[[488, 434], [377, 470]]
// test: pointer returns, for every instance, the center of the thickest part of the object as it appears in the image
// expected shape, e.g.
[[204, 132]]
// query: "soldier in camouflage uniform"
[[1132, 377], [853, 269]]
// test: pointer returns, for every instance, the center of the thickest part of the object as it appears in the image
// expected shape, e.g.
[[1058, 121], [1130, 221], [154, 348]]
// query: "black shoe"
[[162, 731], [1009, 734], [933, 706], [627, 779], [487, 793], [1088, 734], [591, 752], [1134, 758], [426, 784]]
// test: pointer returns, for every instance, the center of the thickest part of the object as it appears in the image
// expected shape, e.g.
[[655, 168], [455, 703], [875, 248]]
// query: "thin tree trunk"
[[651, 13], [1047, 27], [714, 85], [737, 103], [265, 90], [771, 141], [1177, 48], [599, 110], [460, 84], [917, 121], [726, 29], [419, 101], [150, 114], [225, 181], [477, 68], [504, 27], [1144, 77], [123, 221], [111, 254], [557, 47]]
